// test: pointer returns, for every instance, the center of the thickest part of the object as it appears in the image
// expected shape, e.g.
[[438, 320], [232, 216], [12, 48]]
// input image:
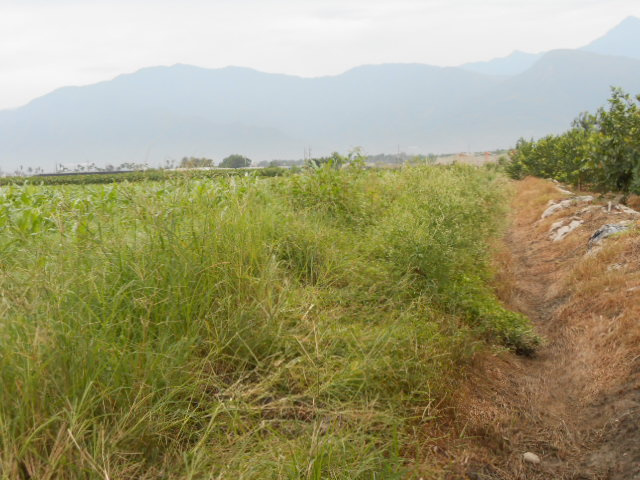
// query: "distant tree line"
[[194, 162], [232, 161], [281, 163], [402, 158], [92, 167]]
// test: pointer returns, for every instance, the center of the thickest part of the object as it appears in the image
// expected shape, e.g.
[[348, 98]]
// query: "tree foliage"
[[601, 149], [235, 161]]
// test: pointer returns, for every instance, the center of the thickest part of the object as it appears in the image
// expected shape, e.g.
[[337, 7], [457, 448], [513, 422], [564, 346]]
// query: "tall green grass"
[[290, 328]]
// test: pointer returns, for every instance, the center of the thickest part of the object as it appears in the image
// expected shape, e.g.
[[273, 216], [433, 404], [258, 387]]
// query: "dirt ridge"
[[576, 404]]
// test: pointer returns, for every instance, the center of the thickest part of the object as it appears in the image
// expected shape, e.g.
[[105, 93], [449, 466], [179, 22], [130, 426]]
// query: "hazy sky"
[[45, 44]]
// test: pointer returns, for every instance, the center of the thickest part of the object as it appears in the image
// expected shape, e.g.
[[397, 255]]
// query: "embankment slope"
[[575, 404]]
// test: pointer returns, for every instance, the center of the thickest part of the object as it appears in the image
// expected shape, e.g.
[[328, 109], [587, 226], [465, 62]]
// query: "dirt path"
[[576, 404]]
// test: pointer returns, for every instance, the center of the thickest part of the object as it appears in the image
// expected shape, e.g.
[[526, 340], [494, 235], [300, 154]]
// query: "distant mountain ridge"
[[513, 64], [162, 113], [623, 40]]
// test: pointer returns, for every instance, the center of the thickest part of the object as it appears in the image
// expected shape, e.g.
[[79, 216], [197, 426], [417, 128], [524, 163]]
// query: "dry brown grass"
[[605, 306], [533, 196], [634, 202], [565, 404]]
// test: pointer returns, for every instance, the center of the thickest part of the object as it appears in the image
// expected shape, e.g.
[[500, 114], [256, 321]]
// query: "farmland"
[[304, 326], [93, 178]]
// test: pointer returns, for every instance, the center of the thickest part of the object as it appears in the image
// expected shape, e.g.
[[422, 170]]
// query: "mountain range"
[[624, 41], [162, 113]]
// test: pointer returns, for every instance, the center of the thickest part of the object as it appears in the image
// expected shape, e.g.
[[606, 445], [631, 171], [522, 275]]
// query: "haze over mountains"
[[164, 113], [624, 40]]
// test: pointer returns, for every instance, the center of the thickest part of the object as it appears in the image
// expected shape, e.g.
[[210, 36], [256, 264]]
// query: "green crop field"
[[141, 176], [300, 327]]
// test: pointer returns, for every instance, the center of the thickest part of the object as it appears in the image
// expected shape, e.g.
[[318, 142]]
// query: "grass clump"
[[241, 328]]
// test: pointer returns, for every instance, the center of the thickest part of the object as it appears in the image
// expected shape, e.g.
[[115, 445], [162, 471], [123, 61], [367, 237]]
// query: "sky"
[[47, 44]]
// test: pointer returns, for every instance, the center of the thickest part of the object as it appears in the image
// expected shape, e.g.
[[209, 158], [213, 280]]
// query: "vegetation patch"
[[153, 175], [601, 151], [243, 327]]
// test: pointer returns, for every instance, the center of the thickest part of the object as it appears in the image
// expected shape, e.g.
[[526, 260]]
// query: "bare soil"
[[576, 403]]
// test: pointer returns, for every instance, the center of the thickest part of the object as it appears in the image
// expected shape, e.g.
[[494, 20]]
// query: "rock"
[[531, 458], [555, 226], [588, 209], [608, 230], [627, 210], [562, 232], [556, 207], [562, 190]]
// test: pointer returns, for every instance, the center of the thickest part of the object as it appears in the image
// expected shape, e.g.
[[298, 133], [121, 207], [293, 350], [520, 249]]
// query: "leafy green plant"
[[601, 150]]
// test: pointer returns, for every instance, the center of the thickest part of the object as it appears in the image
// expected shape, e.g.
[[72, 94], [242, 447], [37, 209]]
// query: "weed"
[[241, 328]]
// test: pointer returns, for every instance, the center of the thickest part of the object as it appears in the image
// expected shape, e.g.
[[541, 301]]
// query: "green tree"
[[601, 149], [235, 161], [615, 158]]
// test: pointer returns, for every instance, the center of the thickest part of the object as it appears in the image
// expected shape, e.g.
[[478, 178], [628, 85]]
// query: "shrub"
[[601, 150]]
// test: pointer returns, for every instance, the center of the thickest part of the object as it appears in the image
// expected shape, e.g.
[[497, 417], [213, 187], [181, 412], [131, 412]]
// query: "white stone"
[[531, 458], [556, 207], [627, 210], [562, 232], [556, 226]]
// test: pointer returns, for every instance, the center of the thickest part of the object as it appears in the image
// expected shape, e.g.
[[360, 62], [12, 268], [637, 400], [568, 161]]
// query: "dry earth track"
[[576, 404]]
